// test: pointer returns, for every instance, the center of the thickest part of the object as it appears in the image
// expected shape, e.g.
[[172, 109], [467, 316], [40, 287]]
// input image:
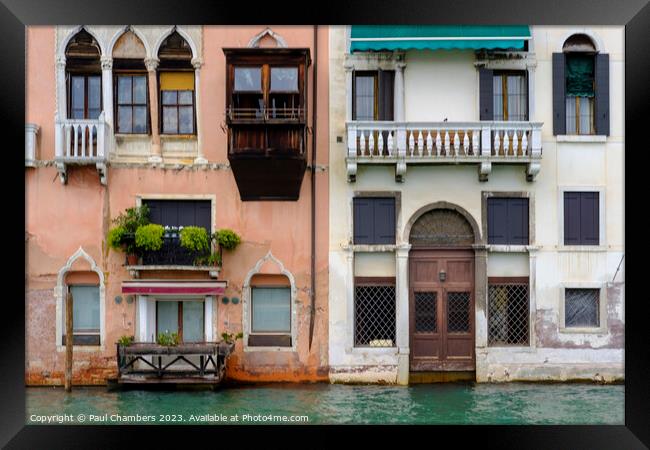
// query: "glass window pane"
[[365, 98], [124, 119], [497, 89], [248, 79], [570, 115], [585, 114], [185, 97], [94, 93], [271, 311], [85, 308], [581, 307], [77, 92], [167, 317], [93, 113], [517, 97], [124, 90], [170, 119], [169, 97], [185, 120], [193, 321], [284, 79], [140, 90], [139, 119]]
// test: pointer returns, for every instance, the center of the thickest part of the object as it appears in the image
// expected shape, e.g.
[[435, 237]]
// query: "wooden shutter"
[[384, 218], [601, 81], [497, 221], [386, 95], [363, 221], [517, 221], [175, 213], [589, 218], [486, 94], [571, 218], [559, 102]]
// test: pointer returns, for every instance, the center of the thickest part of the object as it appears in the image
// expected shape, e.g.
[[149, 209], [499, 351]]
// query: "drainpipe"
[[312, 312]]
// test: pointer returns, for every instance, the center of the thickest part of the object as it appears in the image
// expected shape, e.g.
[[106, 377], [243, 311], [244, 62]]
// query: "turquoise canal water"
[[513, 403]]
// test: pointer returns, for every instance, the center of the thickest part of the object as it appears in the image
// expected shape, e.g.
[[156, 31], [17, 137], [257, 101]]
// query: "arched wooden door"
[[441, 293]]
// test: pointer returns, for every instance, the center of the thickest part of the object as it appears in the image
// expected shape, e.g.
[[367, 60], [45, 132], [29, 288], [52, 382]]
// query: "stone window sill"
[[581, 138]]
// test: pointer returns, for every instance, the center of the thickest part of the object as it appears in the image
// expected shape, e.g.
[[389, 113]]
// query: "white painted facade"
[[444, 85]]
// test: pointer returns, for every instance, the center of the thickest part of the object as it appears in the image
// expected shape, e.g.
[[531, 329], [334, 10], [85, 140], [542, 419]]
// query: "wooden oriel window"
[[131, 103], [510, 90]]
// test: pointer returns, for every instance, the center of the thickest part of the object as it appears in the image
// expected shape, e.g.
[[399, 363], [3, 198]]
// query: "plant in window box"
[[122, 236], [227, 239], [229, 339], [168, 339], [197, 241], [149, 237], [125, 341]]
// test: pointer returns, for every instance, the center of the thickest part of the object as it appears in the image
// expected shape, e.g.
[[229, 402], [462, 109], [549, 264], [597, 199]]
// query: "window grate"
[[374, 307], [508, 317], [581, 307], [426, 312], [458, 312]]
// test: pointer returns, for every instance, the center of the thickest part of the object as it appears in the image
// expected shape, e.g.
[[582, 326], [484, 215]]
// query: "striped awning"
[[174, 287], [436, 37]]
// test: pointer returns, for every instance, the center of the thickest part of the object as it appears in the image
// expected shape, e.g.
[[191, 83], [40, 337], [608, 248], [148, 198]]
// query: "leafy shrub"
[[168, 339], [115, 237], [195, 239], [149, 237], [213, 259], [228, 239], [231, 337], [126, 340], [121, 237]]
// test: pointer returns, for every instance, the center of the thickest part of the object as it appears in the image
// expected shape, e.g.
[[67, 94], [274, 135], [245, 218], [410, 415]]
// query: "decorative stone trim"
[[255, 41]]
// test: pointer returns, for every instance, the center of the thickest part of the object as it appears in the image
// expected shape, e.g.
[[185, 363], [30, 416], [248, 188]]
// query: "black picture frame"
[[634, 14]]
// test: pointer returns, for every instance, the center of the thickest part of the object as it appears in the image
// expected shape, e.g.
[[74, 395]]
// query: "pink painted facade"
[[66, 224]]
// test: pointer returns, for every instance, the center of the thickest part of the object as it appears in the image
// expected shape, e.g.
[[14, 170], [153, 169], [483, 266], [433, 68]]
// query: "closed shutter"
[[601, 81], [384, 213], [175, 213], [486, 97], [589, 221], [497, 221], [571, 218], [374, 220], [518, 221], [363, 221], [559, 102], [386, 96]]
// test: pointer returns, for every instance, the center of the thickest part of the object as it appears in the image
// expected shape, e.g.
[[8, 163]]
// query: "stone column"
[[61, 97], [402, 312], [156, 153], [398, 104], [349, 307], [200, 159], [107, 90], [349, 68], [480, 312]]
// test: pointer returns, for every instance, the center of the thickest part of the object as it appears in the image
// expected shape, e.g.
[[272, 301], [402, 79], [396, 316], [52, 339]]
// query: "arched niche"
[[83, 53], [129, 46], [175, 52], [442, 224], [579, 43]]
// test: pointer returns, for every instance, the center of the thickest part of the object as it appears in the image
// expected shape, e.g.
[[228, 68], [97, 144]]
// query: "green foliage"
[[231, 337], [115, 237], [121, 237], [126, 340], [168, 339], [195, 239], [213, 259], [149, 237], [227, 239]]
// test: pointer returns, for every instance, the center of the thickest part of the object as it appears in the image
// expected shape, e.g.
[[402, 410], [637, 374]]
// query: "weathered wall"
[[62, 218]]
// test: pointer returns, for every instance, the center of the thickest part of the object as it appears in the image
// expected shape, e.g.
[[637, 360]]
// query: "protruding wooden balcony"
[[186, 363], [483, 143]]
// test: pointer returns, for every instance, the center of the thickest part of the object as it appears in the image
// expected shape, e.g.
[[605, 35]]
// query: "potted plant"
[[149, 237], [168, 339], [122, 236], [195, 239], [126, 340], [227, 240]]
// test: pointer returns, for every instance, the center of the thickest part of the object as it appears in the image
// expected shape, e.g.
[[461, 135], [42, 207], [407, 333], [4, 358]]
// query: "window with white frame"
[[270, 316], [85, 315]]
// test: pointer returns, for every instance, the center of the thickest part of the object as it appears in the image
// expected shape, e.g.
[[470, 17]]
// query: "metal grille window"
[[426, 312], [458, 312], [374, 315], [581, 307], [508, 313]]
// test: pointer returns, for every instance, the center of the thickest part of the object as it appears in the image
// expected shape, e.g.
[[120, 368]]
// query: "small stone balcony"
[[482, 143]]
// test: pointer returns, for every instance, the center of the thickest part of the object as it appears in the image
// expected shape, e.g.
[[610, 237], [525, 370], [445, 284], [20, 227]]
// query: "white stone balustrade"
[[405, 143]]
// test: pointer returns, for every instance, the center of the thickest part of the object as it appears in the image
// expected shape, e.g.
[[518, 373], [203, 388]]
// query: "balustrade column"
[[107, 90], [398, 104], [348, 91], [156, 153], [200, 159]]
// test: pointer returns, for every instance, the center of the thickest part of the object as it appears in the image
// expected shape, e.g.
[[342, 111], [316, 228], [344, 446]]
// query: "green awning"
[[436, 37]]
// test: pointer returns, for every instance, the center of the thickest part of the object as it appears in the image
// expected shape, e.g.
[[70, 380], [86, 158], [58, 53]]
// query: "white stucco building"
[[476, 202]]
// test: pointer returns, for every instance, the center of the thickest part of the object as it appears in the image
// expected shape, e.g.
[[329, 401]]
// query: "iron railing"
[[172, 254]]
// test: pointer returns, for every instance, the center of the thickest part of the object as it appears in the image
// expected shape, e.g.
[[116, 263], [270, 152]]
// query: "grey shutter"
[[386, 95], [601, 81], [176, 213], [384, 221], [518, 221], [571, 218], [363, 221], [559, 102], [155, 212], [497, 221], [203, 213], [589, 218], [486, 94]]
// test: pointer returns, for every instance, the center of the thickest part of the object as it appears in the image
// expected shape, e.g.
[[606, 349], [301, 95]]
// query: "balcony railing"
[[403, 143], [266, 114], [80, 142], [171, 254]]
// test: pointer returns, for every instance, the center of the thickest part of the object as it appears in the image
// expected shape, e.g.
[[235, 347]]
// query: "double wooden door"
[[441, 310]]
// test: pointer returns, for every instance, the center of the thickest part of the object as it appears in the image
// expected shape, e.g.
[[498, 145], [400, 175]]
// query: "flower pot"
[[132, 260]]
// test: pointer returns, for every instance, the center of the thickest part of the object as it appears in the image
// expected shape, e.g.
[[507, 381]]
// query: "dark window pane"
[[364, 98], [140, 119], [77, 91], [508, 314], [248, 79], [581, 307], [140, 90], [169, 97], [93, 113], [284, 79], [170, 119], [77, 113], [85, 308], [124, 119], [94, 93], [185, 120], [374, 316], [271, 310], [124, 90], [184, 97]]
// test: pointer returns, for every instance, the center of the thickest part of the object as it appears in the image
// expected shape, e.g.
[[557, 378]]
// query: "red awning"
[[169, 287]]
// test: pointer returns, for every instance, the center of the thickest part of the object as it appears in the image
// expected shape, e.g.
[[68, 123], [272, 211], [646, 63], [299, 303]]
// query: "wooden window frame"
[[78, 337], [69, 75], [269, 333], [503, 74], [160, 106], [366, 73], [592, 102], [116, 103]]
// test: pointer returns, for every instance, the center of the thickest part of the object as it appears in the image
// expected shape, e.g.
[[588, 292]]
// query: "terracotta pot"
[[132, 260]]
